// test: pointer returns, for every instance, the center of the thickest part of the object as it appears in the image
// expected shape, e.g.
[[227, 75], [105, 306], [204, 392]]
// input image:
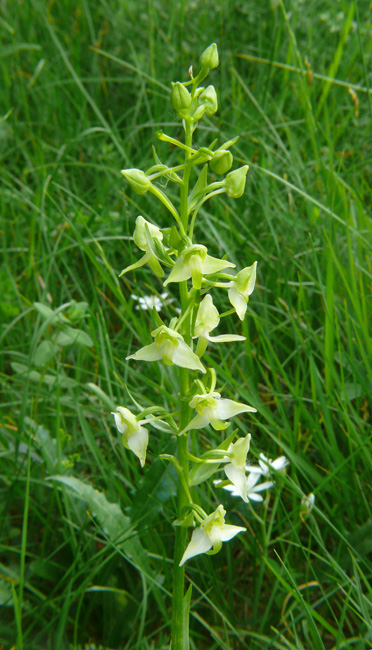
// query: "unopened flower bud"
[[137, 179], [139, 236], [208, 100], [235, 182], [209, 58], [180, 97], [222, 161]]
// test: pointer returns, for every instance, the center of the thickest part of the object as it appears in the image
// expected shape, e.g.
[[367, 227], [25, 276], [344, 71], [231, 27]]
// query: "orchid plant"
[[175, 258]]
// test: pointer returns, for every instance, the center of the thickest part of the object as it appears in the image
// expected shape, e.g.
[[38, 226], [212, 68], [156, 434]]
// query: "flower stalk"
[[184, 340]]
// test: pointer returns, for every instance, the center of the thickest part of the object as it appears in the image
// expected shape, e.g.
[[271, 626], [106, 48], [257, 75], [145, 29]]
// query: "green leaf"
[[71, 335], [115, 525], [47, 446], [51, 380], [47, 313], [186, 619], [44, 353], [6, 596]]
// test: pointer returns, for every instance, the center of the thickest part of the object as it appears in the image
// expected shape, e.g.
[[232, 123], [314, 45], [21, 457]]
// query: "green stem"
[[178, 622]]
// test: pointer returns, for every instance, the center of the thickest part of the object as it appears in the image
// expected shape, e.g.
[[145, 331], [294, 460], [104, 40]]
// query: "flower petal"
[[226, 338], [227, 408], [150, 352], [238, 302], [252, 496], [214, 265], [179, 273], [238, 478], [184, 357], [228, 532], [198, 422], [138, 444], [200, 543]]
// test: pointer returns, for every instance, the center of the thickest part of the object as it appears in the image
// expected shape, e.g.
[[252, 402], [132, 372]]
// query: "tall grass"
[[85, 558]]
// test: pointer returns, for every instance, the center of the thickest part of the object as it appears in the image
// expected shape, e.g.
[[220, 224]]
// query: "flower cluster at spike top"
[[176, 259]]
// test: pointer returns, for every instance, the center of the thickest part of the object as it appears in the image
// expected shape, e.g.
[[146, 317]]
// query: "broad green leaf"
[[71, 335], [44, 353], [47, 313], [50, 380], [116, 526]]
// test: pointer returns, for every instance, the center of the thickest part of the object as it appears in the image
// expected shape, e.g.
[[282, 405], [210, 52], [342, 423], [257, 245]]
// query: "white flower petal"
[[150, 352], [228, 532], [227, 408], [263, 486], [280, 463], [198, 422], [226, 338], [214, 265], [200, 543], [252, 496], [184, 357], [179, 273], [237, 477], [238, 302], [138, 444]]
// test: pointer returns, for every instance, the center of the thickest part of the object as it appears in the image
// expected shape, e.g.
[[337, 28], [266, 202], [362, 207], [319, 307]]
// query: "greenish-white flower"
[[207, 319], [208, 537], [235, 469], [194, 262], [147, 236], [134, 436], [241, 287], [212, 409], [171, 348]]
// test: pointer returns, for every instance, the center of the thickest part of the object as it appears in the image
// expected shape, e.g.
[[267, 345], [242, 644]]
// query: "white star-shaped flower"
[[250, 489], [265, 465]]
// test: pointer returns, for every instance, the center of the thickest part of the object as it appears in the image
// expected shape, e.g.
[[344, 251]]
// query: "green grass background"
[[85, 561]]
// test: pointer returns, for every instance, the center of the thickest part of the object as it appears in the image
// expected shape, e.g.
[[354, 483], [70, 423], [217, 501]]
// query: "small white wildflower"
[[149, 302], [266, 465], [251, 489]]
